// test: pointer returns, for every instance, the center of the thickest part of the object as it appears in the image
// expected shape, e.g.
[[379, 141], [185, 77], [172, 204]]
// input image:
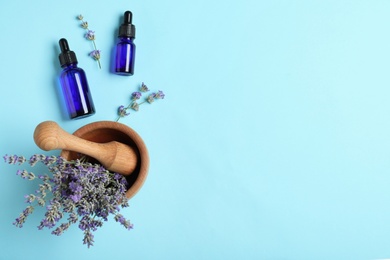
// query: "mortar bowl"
[[107, 131]]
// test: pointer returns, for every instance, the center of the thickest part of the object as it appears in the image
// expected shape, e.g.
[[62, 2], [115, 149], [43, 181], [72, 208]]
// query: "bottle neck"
[[69, 66], [126, 39]]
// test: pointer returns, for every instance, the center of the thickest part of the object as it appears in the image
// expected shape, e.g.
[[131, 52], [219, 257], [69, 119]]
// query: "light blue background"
[[272, 142]]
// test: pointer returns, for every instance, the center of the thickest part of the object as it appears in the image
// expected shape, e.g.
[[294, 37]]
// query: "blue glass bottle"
[[125, 48], [74, 84]]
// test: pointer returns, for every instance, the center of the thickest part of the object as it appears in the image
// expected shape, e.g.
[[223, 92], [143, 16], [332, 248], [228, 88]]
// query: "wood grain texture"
[[113, 155], [107, 131]]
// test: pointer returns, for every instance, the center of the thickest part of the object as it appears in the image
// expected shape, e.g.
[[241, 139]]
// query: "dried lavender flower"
[[95, 54], [135, 106], [136, 96], [41, 201], [144, 88], [26, 175], [84, 25], [14, 159], [30, 198], [87, 193], [160, 95], [88, 238], [151, 98], [59, 230], [122, 111], [126, 223], [22, 217], [90, 35]]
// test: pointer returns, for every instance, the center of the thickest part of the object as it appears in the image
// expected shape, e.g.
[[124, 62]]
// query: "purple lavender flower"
[[26, 175], [50, 160], [84, 223], [75, 187], [30, 198], [33, 160], [90, 35], [123, 181], [14, 159], [136, 95], [160, 95], [151, 97], [102, 213], [119, 218], [95, 54], [73, 218], [47, 222], [6, 158], [43, 177], [69, 206], [61, 161], [84, 208], [80, 189], [28, 210], [122, 111], [23, 216], [143, 88], [75, 197], [22, 173], [117, 176], [88, 238], [95, 224], [59, 230], [19, 221]]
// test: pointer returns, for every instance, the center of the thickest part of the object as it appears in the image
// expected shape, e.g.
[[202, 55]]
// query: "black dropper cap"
[[127, 29], [66, 56]]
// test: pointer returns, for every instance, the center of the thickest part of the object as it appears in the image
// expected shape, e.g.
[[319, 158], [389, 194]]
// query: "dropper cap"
[[66, 56], [127, 29]]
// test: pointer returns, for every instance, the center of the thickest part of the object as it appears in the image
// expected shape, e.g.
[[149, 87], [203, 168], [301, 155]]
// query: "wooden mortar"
[[107, 131]]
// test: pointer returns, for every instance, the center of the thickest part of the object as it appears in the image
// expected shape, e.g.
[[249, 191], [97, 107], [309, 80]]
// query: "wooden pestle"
[[114, 156]]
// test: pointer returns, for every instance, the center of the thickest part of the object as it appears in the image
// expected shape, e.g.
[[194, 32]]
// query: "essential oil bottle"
[[125, 48], [74, 84]]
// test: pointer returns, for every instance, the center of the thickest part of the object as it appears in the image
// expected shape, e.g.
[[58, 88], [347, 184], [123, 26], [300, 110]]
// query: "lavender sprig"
[[87, 193], [135, 96], [90, 35]]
